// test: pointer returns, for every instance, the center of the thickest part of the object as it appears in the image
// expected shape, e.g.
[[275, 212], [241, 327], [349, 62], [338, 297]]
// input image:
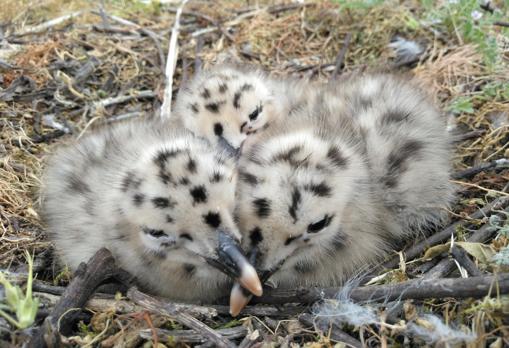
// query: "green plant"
[[465, 20], [461, 105], [23, 306], [358, 4]]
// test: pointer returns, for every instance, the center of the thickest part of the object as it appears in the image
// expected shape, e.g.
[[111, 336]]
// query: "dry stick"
[[460, 255], [49, 24], [156, 38], [101, 302], [248, 14], [501, 24], [336, 333], [470, 172], [126, 116], [98, 304], [264, 311], [278, 8], [445, 234], [445, 266], [191, 336], [170, 64], [86, 279], [209, 19], [341, 56], [177, 314], [466, 136], [123, 98], [417, 289]]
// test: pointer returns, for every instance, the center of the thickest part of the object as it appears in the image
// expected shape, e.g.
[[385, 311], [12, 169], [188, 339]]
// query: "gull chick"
[[159, 198], [229, 102], [364, 165]]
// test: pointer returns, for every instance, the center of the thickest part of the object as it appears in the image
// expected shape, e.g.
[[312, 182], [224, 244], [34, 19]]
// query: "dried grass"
[[302, 42]]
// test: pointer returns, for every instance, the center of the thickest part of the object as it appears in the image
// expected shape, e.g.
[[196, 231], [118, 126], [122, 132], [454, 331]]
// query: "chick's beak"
[[231, 261], [229, 148], [239, 296]]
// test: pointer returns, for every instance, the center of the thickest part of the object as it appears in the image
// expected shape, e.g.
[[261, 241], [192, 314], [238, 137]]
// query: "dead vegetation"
[[106, 63]]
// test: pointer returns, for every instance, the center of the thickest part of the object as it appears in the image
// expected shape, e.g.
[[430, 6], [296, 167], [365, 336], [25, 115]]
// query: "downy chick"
[[322, 197], [229, 102], [159, 198]]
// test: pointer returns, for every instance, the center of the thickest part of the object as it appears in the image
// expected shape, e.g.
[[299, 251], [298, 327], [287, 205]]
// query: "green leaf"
[[483, 253], [461, 105], [23, 305]]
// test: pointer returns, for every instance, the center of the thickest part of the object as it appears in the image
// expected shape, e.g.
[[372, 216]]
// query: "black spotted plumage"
[[138, 199], [321, 189], [212, 219], [397, 162], [199, 194], [294, 206], [336, 157], [163, 202], [76, 184], [255, 236], [218, 129], [262, 207], [130, 181], [192, 166], [194, 107], [205, 94], [249, 178], [394, 117]]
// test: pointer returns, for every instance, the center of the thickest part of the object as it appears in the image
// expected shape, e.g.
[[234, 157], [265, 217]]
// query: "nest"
[[97, 65]]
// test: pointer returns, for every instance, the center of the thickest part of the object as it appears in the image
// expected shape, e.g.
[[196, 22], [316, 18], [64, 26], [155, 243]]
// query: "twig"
[[445, 234], [264, 310], [251, 13], [501, 24], [190, 336], [44, 138], [86, 70], [209, 19], [278, 8], [460, 255], [341, 56], [86, 279], [170, 64], [418, 289], [49, 24], [470, 172], [336, 333], [466, 136], [156, 38], [445, 266], [126, 116], [179, 315], [123, 98], [100, 304]]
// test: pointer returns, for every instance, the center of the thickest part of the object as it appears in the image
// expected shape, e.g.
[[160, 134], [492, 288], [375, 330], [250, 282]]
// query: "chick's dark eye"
[[186, 236], [254, 115], [320, 225], [154, 233], [218, 129]]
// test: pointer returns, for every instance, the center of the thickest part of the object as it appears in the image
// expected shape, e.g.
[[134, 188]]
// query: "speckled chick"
[[159, 198], [365, 164], [229, 102]]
